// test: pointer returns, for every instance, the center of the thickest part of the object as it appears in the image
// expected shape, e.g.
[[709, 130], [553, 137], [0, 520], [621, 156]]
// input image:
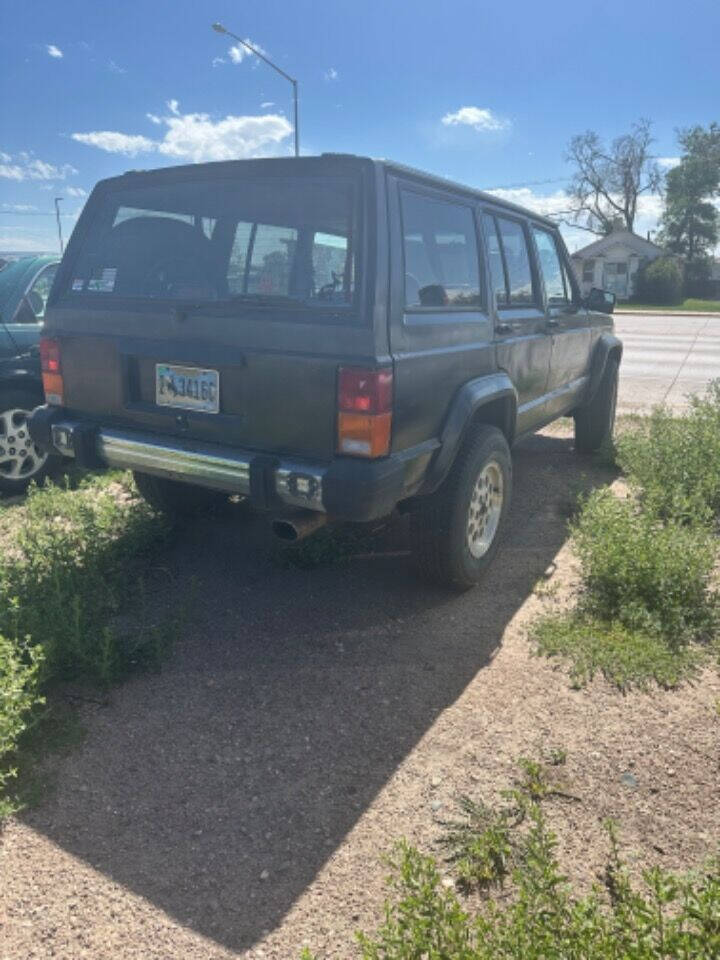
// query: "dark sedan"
[[24, 288]]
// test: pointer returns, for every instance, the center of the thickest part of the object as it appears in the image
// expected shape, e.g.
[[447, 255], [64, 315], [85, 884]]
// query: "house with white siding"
[[612, 262]]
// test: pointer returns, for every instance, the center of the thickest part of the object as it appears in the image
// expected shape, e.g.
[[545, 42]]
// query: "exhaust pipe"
[[292, 529]]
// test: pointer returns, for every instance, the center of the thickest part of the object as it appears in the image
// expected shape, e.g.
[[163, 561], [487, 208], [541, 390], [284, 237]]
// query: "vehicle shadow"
[[218, 788]]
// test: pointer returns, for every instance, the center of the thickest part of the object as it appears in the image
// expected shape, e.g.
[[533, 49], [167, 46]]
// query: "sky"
[[486, 94]]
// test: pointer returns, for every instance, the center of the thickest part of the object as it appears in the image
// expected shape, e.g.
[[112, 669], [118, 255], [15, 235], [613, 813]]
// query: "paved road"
[[666, 358]]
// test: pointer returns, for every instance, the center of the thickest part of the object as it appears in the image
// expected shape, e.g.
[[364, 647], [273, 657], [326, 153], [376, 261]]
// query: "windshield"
[[285, 239]]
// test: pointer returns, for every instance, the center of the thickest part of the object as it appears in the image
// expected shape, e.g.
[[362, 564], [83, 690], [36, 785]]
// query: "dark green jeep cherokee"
[[332, 337]]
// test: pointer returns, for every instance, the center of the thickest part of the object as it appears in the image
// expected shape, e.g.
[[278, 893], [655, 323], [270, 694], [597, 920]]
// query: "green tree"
[[691, 221]]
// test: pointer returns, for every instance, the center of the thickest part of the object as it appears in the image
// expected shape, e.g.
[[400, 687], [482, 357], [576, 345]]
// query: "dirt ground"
[[238, 804]]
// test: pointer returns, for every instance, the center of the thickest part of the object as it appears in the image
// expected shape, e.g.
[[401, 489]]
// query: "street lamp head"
[[219, 28]]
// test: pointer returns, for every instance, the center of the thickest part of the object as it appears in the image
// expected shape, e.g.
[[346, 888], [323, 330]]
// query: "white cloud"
[[75, 192], [114, 142], [26, 167], [196, 137], [667, 163], [331, 74], [17, 243], [19, 207], [115, 68], [54, 51], [217, 61], [238, 52], [479, 118], [267, 103]]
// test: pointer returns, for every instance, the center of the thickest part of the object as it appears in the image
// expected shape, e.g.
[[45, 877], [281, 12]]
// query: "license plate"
[[189, 388]]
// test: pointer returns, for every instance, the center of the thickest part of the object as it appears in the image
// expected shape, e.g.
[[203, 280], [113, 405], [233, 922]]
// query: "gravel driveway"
[[238, 803]]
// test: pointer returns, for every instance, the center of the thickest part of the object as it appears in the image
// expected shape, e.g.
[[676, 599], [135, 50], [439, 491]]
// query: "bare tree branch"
[[607, 183]]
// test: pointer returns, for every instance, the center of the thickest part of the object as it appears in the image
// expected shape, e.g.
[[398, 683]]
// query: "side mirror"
[[601, 300]]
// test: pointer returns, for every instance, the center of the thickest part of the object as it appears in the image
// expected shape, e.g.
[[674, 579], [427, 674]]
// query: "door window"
[[551, 268], [497, 270], [441, 255], [517, 262]]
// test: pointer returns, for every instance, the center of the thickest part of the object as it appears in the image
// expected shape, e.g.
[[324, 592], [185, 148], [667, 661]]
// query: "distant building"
[[612, 262]]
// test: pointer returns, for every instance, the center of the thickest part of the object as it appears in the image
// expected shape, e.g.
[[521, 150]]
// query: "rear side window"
[[551, 268], [441, 254], [517, 262]]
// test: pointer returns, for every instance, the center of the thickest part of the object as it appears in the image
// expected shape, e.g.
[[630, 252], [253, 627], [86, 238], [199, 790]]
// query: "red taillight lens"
[[51, 371], [364, 391], [49, 355], [364, 411]]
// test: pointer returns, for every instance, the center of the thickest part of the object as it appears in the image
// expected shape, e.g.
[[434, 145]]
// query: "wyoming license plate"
[[188, 388]]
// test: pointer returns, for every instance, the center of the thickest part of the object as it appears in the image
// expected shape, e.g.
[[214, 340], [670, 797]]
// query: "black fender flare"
[[607, 344], [470, 398]]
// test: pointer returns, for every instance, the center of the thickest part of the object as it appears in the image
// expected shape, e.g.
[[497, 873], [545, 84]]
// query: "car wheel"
[[21, 460], [456, 531], [174, 498], [595, 422]]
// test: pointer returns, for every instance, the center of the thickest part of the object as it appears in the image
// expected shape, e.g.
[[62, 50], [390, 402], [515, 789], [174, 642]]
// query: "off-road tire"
[[594, 422], [440, 524], [174, 498], [17, 399]]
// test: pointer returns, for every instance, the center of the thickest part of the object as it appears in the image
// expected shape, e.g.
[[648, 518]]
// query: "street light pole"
[[58, 200], [219, 28]]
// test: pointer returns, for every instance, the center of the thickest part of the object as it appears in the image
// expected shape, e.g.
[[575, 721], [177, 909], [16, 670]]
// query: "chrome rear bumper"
[[295, 483]]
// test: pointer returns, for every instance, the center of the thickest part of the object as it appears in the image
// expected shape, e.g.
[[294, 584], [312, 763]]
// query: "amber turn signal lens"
[[364, 435]]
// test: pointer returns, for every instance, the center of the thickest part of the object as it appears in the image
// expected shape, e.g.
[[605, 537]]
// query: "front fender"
[[467, 402], [607, 344]]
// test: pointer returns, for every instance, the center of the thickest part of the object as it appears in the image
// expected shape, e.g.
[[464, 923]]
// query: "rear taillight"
[[364, 411], [51, 370]]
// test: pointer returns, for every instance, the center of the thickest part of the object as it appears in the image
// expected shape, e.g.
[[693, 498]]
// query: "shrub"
[[644, 574], [675, 461], [68, 573], [665, 915], [19, 694], [660, 281]]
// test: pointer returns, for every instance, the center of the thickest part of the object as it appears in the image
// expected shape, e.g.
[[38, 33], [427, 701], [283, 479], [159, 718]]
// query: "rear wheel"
[[174, 498], [21, 460], [456, 530], [594, 423]]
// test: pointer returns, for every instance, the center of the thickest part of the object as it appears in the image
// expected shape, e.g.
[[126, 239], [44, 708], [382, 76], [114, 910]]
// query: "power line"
[[529, 183]]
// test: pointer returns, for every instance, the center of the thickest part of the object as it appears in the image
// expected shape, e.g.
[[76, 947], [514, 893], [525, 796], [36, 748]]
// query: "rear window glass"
[[517, 261], [282, 239]]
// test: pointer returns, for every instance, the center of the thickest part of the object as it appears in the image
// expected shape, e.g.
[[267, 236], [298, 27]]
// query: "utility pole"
[[58, 200], [219, 28]]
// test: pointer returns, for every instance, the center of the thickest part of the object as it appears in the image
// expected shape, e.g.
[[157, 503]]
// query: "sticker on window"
[[78, 284], [105, 282]]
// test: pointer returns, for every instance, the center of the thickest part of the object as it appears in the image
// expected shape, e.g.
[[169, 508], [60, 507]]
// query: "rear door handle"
[[503, 328], [552, 324]]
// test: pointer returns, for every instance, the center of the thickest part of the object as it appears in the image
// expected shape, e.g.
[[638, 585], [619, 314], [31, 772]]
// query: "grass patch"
[[674, 462], [626, 657], [541, 917], [690, 304], [70, 568]]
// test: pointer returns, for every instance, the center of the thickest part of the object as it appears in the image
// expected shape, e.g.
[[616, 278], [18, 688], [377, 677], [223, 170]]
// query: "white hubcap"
[[20, 459], [485, 509]]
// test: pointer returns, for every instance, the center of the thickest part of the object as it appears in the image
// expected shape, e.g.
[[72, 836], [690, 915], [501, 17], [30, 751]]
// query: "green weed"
[[674, 461]]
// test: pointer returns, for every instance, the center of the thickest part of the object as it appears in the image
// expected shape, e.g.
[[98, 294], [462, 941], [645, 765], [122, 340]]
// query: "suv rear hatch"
[[216, 302]]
